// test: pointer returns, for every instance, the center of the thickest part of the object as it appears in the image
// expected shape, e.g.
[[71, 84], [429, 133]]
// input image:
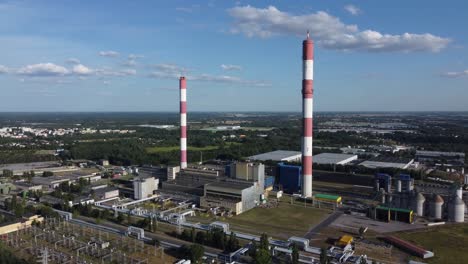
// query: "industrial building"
[[278, 155], [289, 177], [448, 161], [248, 171], [438, 156], [105, 192], [387, 162], [237, 197], [334, 158], [144, 187]]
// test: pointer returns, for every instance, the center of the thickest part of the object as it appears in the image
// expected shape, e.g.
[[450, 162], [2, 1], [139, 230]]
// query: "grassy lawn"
[[447, 242], [283, 222]]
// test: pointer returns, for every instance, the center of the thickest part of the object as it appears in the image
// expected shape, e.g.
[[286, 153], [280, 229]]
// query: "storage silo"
[[436, 207], [398, 185], [457, 210], [420, 200]]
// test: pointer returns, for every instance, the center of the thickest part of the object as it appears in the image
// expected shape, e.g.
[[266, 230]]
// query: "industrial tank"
[[457, 210], [436, 207], [398, 185], [420, 204]]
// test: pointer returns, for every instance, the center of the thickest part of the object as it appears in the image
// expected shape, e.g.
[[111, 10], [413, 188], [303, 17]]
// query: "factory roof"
[[332, 158], [438, 153], [277, 155], [403, 210], [387, 162], [229, 185]]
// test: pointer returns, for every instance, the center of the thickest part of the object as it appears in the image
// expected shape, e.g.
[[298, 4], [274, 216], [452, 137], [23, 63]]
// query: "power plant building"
[[289, 177], [144, 187], [237, 197]]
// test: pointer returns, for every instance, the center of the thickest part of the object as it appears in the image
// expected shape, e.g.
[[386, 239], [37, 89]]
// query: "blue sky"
[[238, 56]]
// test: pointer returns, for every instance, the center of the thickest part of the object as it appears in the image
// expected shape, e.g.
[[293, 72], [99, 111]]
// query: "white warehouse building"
[[278, 155]]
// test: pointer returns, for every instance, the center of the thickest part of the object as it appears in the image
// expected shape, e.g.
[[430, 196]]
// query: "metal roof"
[[277, 155], [331, 158]]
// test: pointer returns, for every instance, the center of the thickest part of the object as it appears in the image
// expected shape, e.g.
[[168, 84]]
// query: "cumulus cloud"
[[3, 69], [80, 69], [43, 69], [329, 31], [230, 67], [73, 61], [353, 10], [109, 53], [455, 74], [130, 63]]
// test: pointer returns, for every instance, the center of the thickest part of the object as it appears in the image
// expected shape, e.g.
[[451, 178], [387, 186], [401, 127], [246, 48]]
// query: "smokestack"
[[307, 112], [183, 122]]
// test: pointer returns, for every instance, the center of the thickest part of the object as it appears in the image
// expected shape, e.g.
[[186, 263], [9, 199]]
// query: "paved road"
[[326, 222]]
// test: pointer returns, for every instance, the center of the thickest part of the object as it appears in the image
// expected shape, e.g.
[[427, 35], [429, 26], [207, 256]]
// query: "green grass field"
[[283, 222], [447, 242]]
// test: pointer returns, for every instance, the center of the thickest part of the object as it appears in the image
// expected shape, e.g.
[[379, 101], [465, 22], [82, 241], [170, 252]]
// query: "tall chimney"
[[307, 112], [183, 122]]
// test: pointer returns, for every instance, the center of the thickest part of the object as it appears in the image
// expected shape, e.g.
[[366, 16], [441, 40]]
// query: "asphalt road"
[[326, 222]]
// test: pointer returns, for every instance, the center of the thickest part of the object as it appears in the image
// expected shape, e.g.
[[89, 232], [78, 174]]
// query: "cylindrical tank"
[[409, 185], [420, 204], [457, 210], [459, 193], [436, 207], [398, 185], [382, 196]]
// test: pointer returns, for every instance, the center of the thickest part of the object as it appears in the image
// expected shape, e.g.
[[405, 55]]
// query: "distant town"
[[379, 181]]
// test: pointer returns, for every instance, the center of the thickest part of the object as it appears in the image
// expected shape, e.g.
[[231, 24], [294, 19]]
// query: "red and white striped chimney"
[[307, 112], [183, 122]]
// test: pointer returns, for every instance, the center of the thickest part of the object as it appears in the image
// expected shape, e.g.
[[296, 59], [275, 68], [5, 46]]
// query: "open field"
[[282, 222], [447, 242]]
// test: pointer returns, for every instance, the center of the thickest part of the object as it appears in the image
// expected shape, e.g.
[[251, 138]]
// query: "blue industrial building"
[[290, 177]]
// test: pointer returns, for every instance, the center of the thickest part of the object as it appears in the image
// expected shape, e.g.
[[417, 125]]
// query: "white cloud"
[[455, 74], [73, 61], [353, 10], [135, 56], [3, 69], [230, 67], [328, 30], [173, 71], [109, 53], [184, 9], [43, 69], [168, 71], [80, 69], [130, 63], [115, 73]]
